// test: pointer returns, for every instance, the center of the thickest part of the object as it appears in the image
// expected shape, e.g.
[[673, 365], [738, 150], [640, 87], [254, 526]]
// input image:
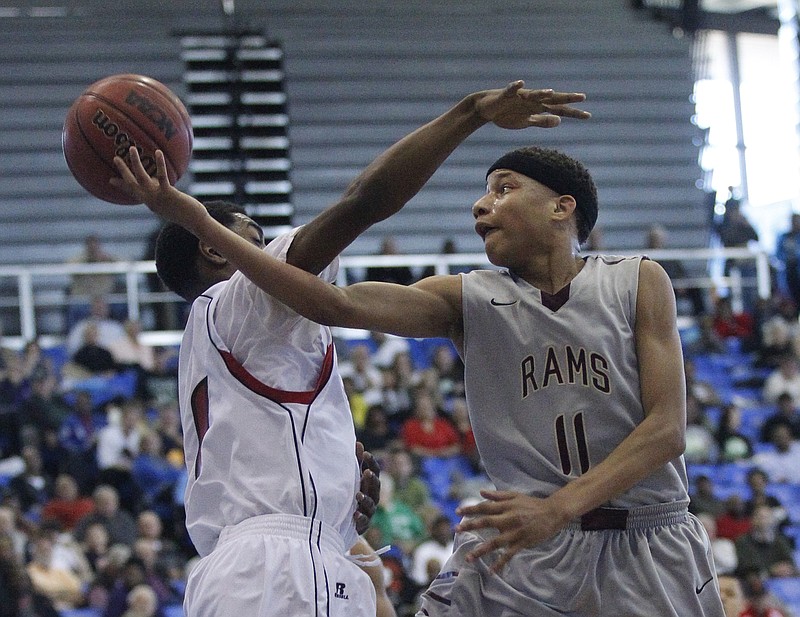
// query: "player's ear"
[[564, 206], [211, 254]]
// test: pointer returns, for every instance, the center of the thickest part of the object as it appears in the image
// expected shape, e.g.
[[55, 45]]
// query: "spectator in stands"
[[386, 348], [787, 253], [108, 328], [724, 549], [109, 571], [120, 524], [44, 408], [12, 579], [703, 500], [459, 416], [133, 574], [426, 433], [779, 332], [168, 427], [783, 463], [786, 413], [11, 528], [78, 436], [657, 239], [67, 553], [428, 558], [90, 360], [129, 352], [758, 482], [735, 231], [142, 602], [785, 378], [408, 486], [154, 475], [763, 549], [734, 521], [733, 325], [32, 487], [732, 443], [83, 287], [401, 275], [701, 446], [366, 379], [95, 546], [117, 446], [155, 575], [395, 522], [703, 391], [448, 371], [375, 434], [67, 506], [759, 601], [397, 390], [60, 585], [732, 594]]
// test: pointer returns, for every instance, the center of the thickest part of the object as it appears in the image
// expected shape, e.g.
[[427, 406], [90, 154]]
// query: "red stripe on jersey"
[[199, 403], [244, 377]]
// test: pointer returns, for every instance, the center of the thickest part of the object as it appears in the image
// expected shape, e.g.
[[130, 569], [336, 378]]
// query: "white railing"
[[28, 292]]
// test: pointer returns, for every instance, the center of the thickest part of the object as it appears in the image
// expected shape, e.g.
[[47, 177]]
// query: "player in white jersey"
[[269, 439]]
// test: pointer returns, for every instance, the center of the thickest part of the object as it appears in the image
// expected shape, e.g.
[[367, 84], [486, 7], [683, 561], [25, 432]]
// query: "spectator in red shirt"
[[734, 521], [730, 324], [67, 506], [428, 434]]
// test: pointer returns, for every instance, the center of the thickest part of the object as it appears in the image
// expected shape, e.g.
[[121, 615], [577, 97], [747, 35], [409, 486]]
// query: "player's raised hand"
[[517, 107], [522, 521], [156, 192]]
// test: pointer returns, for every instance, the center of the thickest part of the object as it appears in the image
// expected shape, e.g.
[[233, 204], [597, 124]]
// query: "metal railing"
[[29, 293]]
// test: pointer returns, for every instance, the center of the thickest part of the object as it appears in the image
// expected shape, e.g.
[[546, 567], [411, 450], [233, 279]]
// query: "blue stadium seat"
[[787, 589]]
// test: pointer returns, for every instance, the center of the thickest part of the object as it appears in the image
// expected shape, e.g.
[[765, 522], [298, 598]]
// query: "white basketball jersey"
[[552, 382], [267, 425]]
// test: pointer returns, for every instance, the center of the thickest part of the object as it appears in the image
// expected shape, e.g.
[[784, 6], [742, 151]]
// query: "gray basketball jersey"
[[552, 381]]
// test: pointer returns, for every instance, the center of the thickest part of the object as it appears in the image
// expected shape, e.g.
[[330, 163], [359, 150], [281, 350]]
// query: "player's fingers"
[[370, 485], [361, 522], [544, 121], [368, 462], [566, 111], [484, 548], [504, 557], [366, 505], [563, 98], [512, 88], [161, 169], [497, 495], [359, 451], [137, 168], [126, 175]]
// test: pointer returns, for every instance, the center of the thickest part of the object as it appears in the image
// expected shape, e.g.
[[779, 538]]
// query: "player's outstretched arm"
[[399, 173], [431, 307]]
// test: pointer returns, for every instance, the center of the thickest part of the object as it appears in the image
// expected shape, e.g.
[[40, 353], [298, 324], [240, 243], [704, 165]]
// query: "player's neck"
[[551, 272]]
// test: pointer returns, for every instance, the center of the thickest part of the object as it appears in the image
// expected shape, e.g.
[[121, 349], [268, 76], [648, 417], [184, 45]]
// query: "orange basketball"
[[116, 113]]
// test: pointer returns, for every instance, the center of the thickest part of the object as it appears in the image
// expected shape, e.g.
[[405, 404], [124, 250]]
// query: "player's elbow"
[[673, 441]]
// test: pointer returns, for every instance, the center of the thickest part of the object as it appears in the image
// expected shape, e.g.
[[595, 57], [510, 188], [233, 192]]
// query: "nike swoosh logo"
[[496, 303], [697, 590]]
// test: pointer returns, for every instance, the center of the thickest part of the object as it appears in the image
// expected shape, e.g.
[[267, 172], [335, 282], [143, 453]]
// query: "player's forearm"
[[650, 446], [400, 172]]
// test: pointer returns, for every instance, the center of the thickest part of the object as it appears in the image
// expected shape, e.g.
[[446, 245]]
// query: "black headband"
[[558, 179]]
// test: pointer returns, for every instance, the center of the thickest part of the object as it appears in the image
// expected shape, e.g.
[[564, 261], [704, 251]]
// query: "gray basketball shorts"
[[652, 561]]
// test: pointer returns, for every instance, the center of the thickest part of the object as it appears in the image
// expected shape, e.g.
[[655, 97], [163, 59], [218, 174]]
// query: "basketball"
[[118, 112]]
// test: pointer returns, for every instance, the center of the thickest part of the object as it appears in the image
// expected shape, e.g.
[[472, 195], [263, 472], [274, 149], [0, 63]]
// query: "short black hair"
[[562, 174], [177, 249]]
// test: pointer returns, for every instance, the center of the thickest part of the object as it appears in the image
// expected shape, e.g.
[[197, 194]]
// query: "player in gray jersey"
[[575, 387]]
